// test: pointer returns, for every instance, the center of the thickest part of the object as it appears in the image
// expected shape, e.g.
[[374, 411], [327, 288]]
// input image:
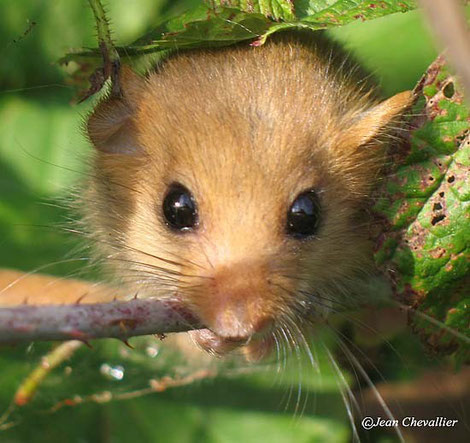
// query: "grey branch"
[[447, 19], [119, 319]]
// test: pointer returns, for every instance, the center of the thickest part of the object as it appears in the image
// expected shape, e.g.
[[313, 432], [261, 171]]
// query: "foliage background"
[[42, 152]]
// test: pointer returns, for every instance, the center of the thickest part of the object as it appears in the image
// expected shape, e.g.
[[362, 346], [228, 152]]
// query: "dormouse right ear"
[[109, 126], [371, 123]]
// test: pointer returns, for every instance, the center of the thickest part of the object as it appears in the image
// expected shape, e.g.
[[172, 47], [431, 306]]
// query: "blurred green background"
[[42, 151]]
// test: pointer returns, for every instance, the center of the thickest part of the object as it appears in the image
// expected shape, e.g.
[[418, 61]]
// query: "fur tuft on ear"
[[362, 145], [110, 126], [374, 122], [132, 84]]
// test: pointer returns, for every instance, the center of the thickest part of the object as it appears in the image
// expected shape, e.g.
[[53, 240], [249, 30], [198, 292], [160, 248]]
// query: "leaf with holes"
[[426, 213], [276, 9], [325, 14]]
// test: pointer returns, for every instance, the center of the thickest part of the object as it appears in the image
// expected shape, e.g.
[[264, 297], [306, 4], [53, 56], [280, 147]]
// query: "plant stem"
[[447, 19], [117, 319], [111, 61]]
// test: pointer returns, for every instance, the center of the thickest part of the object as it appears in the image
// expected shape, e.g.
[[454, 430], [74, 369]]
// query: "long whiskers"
[[344, 388], [41, 268], [371, 385]]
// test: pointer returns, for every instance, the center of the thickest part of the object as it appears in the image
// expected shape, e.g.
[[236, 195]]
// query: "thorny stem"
[[88, 321], [111, 61]]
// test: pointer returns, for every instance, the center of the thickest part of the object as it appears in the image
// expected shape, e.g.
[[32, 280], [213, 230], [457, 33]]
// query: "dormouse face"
[[236, 180]]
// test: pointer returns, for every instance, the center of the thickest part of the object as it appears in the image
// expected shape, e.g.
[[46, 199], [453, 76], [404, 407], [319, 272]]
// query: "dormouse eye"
[[179, 208], [303, 217]]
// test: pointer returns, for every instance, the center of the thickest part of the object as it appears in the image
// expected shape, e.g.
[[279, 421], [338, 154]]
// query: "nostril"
[[240, 330], [237, 310], [233, 331]]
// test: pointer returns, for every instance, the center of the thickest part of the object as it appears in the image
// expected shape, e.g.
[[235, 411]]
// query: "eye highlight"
[[180, 209], [303, 217]]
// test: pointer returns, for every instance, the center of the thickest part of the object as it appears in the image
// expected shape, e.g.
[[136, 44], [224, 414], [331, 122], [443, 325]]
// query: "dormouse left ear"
[[375, 121], [110, 125]]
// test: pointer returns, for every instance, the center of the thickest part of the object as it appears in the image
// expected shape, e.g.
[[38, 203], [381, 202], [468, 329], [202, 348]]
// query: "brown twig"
[[447, 20], [155, 385], [29, 386]]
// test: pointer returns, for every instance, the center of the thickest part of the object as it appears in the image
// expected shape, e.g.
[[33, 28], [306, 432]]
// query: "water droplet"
[[152, 351], [124, 351], [112, 372]]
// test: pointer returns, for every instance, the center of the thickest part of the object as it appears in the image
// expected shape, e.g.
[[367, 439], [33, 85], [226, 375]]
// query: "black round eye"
[[303, 217], [179, 208]]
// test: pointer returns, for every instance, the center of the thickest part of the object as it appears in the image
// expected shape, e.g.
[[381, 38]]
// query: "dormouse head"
[[237, 181]]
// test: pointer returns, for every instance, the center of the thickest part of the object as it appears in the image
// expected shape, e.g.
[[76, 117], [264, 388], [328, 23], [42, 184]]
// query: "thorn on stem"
[[87, 344], [79, 300], [127, 344]]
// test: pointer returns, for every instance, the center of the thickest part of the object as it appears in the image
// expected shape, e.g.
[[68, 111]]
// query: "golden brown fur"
[[18, 288], [245, 130]]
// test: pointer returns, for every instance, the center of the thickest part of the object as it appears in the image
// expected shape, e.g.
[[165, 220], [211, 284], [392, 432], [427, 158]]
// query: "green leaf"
[[218, 23], [231, 407], [276, 9], [427, 216], [203, 27], [341, 12], [215, 25], [35, 165]]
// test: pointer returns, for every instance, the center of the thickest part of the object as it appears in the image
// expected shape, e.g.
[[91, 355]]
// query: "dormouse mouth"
[[254, 348], [248, 334], [258, 348], [236, 341]]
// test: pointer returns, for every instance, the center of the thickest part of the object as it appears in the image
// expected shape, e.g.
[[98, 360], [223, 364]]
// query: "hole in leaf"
[[437, 219], [441, 194], [449, 90], [431, 179], [437, 207], [451, 179]]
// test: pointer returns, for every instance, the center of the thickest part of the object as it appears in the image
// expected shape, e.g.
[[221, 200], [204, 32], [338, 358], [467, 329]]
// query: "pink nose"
[[236, 303], [239, 321]]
